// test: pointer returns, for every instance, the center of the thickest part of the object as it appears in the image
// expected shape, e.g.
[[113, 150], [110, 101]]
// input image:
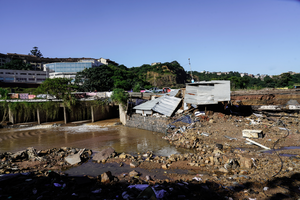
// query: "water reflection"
[[91, 136]]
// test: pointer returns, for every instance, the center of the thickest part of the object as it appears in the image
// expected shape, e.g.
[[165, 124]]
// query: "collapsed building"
[[204, 98], [159, 110]]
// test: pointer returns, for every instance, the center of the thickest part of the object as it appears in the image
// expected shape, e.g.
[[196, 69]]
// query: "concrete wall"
[[123, 115], [95, 113], [156, 124], [105, 112]]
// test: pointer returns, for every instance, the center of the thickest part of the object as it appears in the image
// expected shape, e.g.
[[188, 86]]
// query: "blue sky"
[[252, 36]]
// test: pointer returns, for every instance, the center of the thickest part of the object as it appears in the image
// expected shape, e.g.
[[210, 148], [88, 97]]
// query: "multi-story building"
[[46, 68], [70, 69], [22, 76]]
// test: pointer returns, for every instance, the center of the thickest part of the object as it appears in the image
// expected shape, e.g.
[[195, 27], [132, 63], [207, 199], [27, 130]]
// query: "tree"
[[119, 96], [61, 88], [36, 52], [17, 65], [95, 79]]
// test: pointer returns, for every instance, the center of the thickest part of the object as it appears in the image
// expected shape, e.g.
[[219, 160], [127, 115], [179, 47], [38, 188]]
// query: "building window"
[[31, 79], [9, 79], [21, 79], [23, 73]]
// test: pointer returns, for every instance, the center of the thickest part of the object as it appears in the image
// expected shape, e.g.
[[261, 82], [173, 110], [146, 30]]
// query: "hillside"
[[162, 75]]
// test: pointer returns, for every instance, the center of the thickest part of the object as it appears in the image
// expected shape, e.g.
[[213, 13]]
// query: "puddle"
[[95, 169], [281, 149]]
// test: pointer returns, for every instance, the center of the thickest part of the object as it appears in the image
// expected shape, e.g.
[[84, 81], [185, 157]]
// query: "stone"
[[122, 156], [106, 177], [31, 153], [134, 164], [164, 166], [222, 169], [104, 154], [133, 173], [246, 162]]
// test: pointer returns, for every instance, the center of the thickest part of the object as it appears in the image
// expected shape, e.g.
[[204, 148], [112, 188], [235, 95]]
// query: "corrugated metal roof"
[[147, 105], [165, 105], [172, 93]]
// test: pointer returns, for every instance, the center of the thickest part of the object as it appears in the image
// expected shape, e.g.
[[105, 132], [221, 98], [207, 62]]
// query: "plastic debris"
[[97, 191], [265, 188], [262, 146], [57, 184], [34, 191], [197, 178], [205, 134], [230, 138]]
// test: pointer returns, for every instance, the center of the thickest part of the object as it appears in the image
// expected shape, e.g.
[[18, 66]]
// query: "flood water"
[[96, 136]]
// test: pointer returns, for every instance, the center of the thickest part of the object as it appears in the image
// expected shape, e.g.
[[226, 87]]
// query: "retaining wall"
[[150, 123]]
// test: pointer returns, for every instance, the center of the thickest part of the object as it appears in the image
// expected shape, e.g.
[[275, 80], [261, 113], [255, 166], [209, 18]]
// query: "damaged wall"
[[150, 123]]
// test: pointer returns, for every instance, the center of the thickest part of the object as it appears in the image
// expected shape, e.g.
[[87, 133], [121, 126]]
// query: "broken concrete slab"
[[104, 154], [252, 133], [74, 159]]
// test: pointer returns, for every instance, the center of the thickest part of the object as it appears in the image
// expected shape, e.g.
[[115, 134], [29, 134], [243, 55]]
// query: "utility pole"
[[191, 72]]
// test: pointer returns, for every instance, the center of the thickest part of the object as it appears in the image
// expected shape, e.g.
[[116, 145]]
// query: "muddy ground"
[[223, 164]]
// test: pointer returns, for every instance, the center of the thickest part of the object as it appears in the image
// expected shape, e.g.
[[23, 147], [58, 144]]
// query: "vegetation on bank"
[[247, 82]]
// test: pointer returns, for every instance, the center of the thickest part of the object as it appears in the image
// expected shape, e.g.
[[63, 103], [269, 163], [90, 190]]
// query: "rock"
[[31, 153], [19, 154], [246, 162], [106, 177], [211, 121], [104, 154], [133, 173], [219, 146], [134, 164], [164, 166], [122, 156], [222, 169]]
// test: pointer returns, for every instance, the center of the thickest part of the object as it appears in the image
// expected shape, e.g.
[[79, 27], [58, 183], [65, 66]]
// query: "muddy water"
[[95, 136]]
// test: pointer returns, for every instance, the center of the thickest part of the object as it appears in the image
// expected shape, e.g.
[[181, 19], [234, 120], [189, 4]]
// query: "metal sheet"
[[166, 105], [147, 105], [207, 92]]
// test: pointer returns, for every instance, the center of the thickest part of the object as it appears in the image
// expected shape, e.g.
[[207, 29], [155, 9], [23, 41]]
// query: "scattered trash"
[[57, 184], [199, 113], [230, 138], [197, 178], [74, 159], [265, 188], [97, 191], [258, 115], [34, 191], [252, 133], [262, 146], [205, 134]]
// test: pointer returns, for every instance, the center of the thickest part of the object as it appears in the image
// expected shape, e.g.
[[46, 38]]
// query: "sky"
[[247, 36]]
